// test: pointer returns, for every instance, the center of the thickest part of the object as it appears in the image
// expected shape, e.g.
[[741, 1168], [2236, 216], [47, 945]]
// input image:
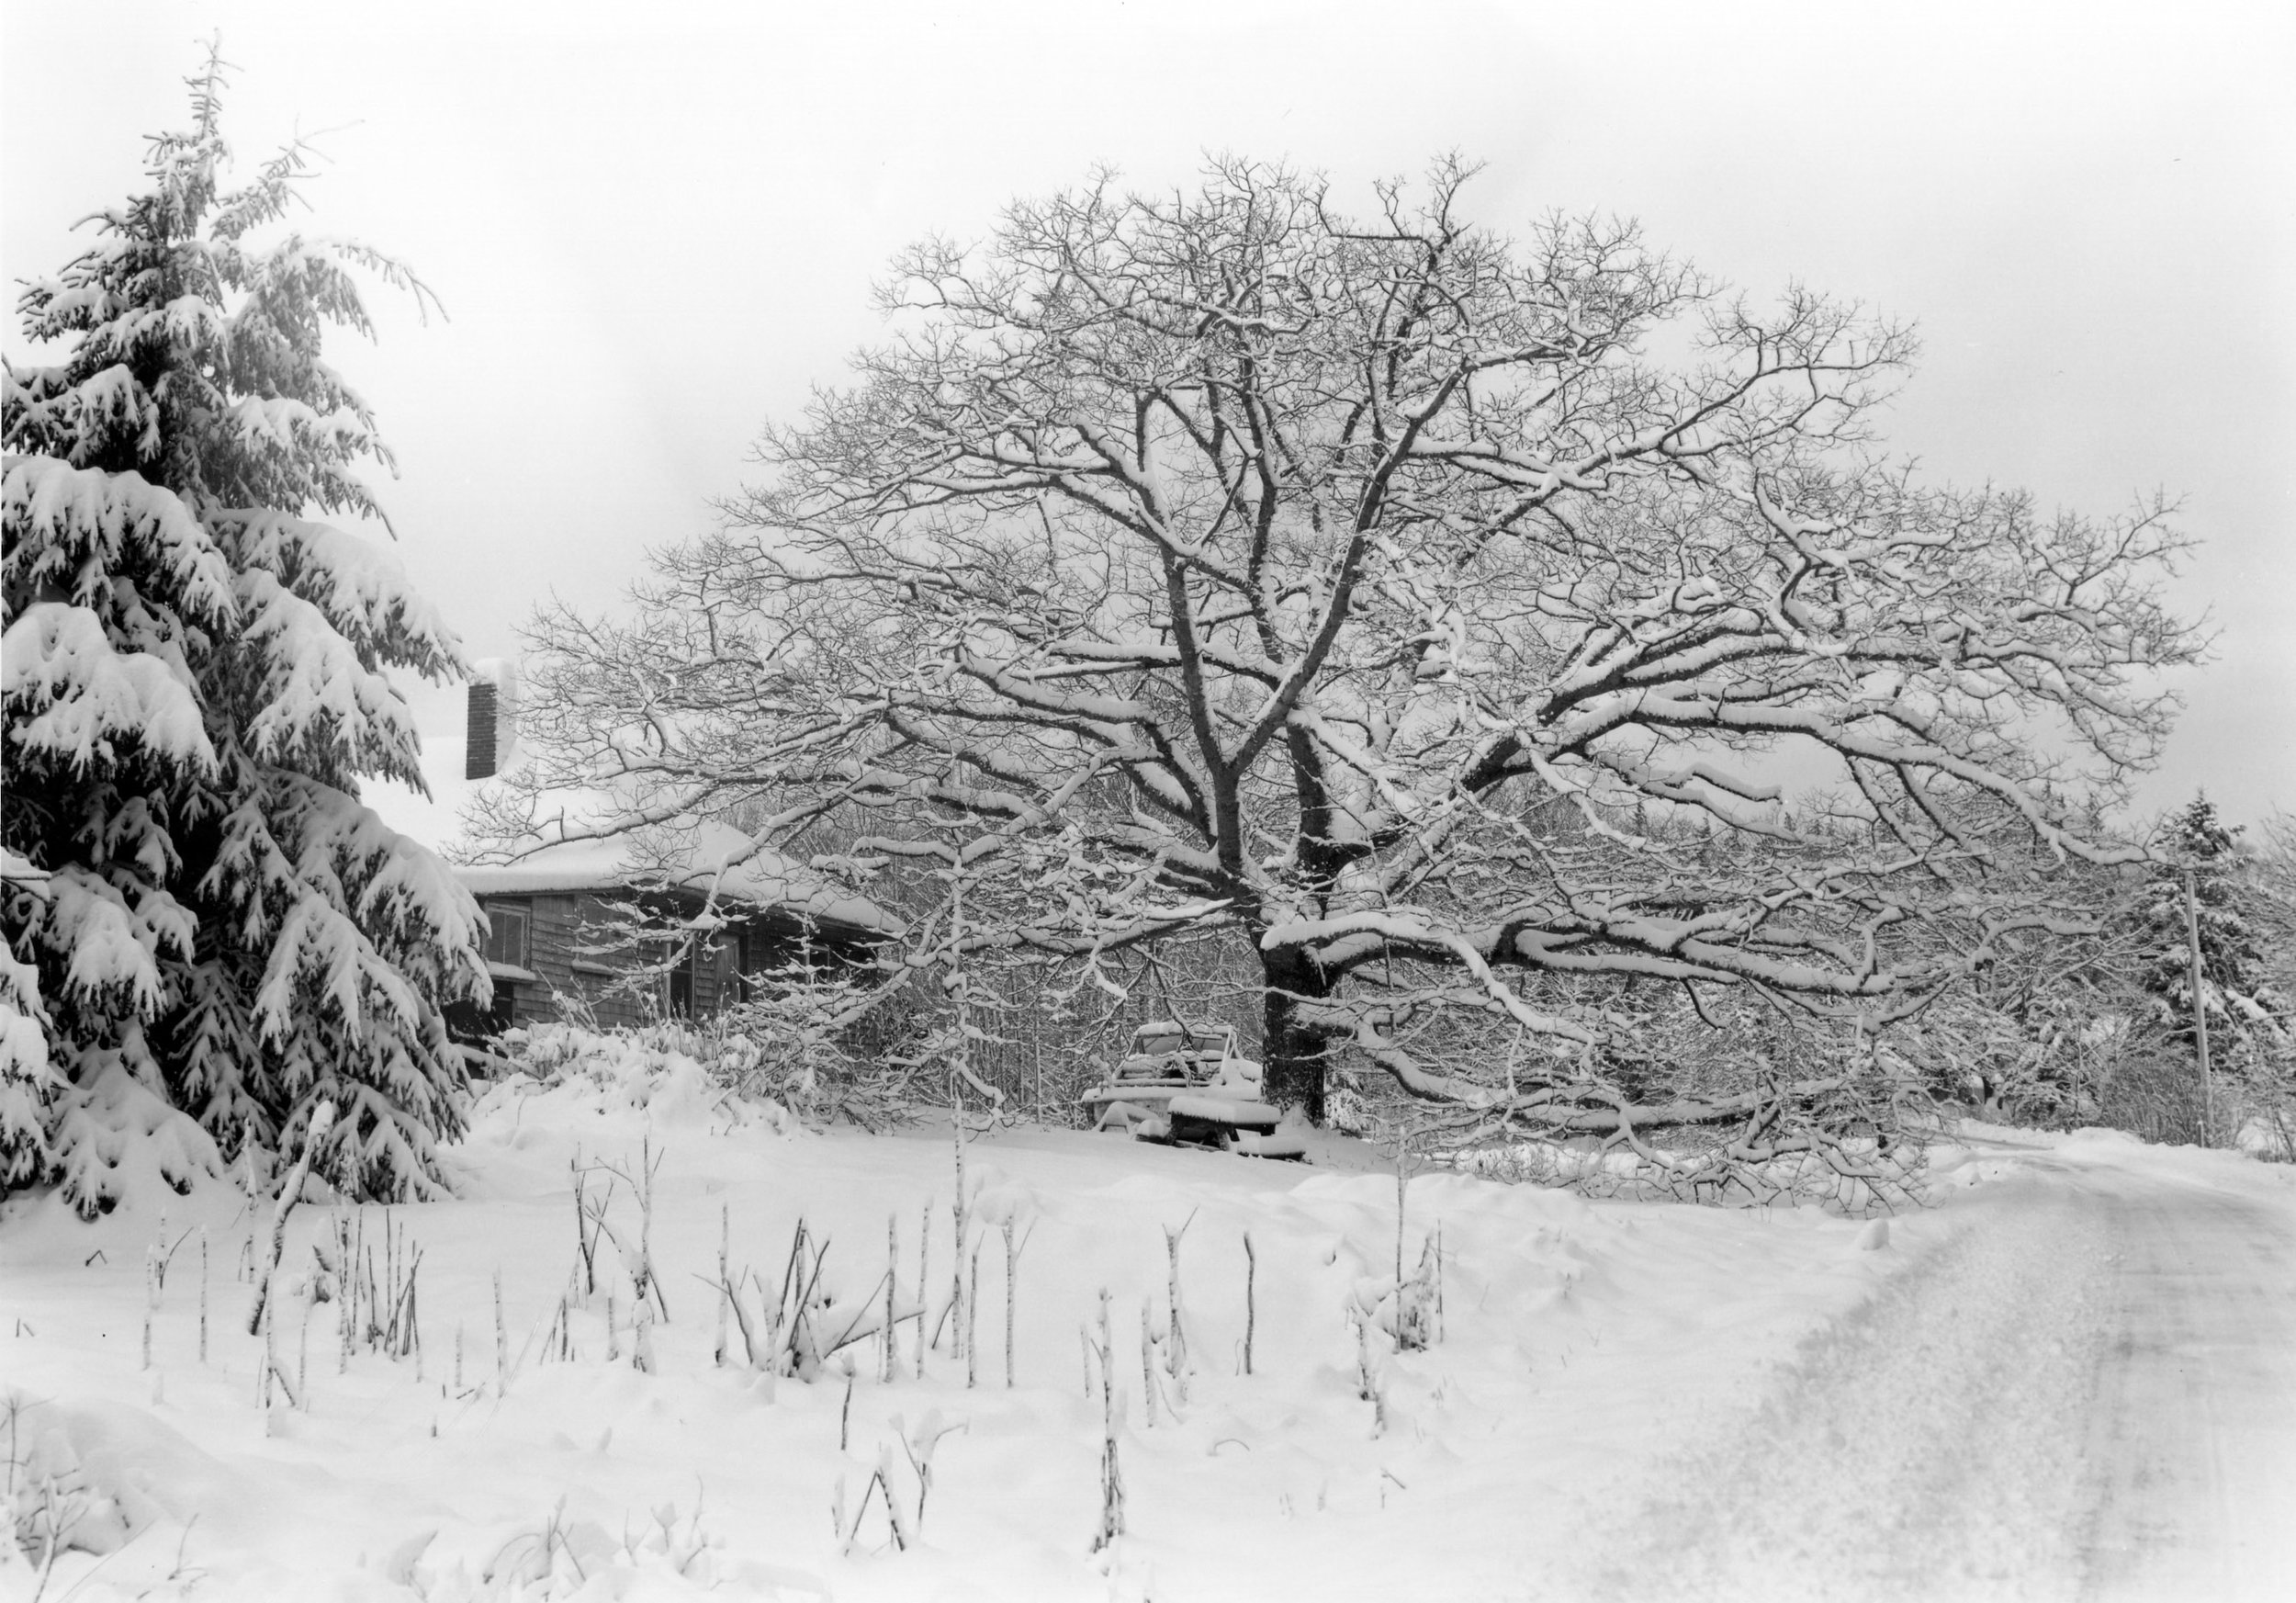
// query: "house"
[[562, 942]]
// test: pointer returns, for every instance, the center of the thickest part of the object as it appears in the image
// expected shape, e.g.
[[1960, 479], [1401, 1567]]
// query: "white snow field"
[[2073, 1379]]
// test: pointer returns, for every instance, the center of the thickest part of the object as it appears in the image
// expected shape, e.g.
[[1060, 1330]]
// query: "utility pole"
[[2200, 1002]]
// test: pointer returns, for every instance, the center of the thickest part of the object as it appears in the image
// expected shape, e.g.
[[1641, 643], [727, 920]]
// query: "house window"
[[506, 932], [743, 990], [681, 982]]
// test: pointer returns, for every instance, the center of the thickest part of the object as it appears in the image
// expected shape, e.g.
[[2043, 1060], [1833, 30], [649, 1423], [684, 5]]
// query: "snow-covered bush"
[[678, 1073], [200, 911]]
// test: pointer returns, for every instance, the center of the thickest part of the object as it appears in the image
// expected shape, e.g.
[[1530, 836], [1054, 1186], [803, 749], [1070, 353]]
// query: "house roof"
[[708, 857]]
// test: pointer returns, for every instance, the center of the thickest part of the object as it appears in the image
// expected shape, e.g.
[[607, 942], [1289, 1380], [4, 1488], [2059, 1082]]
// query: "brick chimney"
[[479, 752], [492, 743]]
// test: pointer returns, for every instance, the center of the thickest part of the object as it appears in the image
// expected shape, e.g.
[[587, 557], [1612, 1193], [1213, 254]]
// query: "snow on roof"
[[703, 858]]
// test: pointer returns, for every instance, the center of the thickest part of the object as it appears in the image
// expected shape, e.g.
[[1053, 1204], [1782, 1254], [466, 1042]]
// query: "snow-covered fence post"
[[322, 1117]]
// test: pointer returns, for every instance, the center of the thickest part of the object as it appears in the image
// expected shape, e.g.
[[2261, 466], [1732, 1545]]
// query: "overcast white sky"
[[654, 226]]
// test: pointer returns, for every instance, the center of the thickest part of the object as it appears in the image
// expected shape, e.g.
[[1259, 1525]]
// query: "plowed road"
[[2088, 1390]]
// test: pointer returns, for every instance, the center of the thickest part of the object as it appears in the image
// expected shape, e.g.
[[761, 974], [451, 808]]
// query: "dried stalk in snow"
[[1251, 1273], [1012, 1271], [724, 1288], [972, 1319], [892, 1264], [1175, 1333], [291, 1193], [1111, 1411], [924, 1270], [1369, 1384], [150, 1299], [1147, 1368]]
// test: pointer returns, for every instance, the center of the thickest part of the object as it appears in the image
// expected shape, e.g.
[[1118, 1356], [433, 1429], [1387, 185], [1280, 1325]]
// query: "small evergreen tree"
[[2246, 1013], [209, 934]]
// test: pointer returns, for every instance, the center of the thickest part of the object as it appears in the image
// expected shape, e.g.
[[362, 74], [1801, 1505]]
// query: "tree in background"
[[1440, 616], [202, 918], [2247, 1013]]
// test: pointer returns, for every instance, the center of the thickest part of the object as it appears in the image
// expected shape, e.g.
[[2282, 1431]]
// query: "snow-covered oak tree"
[[205, 927], [1521, 632]]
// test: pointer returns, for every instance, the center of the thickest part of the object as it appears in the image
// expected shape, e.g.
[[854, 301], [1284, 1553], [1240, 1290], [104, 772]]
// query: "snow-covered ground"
[[1627, 1400]]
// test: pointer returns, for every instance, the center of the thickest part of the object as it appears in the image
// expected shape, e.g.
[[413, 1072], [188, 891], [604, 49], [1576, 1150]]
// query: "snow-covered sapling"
[[203, 1294], [502, 1339]]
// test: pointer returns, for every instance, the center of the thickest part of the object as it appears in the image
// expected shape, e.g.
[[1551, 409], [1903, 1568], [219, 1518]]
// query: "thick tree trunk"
[[1294, 1052]]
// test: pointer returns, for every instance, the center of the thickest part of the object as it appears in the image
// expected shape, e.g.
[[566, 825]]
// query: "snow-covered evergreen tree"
[[2246, 1015], [209, 934]]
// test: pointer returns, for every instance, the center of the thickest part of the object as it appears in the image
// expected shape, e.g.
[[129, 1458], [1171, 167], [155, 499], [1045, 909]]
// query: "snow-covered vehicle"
[[1184, 1083]]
